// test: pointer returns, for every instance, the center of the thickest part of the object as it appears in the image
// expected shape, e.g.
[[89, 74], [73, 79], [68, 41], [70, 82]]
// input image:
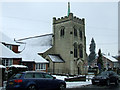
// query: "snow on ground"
[[75, 84]]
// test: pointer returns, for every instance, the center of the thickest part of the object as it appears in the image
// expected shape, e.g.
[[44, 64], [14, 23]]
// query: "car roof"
[[33, 72]]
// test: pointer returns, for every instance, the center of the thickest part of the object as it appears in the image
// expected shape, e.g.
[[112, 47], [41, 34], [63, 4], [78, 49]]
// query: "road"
[[97, 87]]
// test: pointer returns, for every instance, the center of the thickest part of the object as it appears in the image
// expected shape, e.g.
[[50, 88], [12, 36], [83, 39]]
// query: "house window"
[[75, 50], [41, 66], [80, 51], [62, 31], [7, 62]]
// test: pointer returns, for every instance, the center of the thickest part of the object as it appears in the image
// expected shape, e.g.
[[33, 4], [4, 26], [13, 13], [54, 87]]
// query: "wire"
[[27, 19]]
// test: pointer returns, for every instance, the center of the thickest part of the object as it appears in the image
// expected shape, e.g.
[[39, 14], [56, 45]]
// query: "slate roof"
[[56, 58], [110, 58]]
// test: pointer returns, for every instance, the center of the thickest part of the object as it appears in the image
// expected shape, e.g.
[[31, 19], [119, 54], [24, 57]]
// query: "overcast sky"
[[25, 19]]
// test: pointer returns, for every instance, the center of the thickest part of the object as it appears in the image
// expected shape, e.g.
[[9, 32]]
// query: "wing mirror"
[[54, 77]]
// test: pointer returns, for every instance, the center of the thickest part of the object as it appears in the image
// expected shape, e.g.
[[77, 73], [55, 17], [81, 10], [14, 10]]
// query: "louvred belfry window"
[[80, 51], [75, 50], [62, 31]]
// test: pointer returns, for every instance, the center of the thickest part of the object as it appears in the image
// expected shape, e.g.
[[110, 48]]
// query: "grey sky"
[[26, 19]]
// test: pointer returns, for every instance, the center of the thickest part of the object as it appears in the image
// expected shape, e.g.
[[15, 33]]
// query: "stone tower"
[[69, 42], [68, 46]]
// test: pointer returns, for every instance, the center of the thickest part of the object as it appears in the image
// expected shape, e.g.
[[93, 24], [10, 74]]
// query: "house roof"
[[19, 66], [30, 47], [5, 39], [31, 55], [40, 43], [7, 53], [110, 58], [56, 58], [1, 66]]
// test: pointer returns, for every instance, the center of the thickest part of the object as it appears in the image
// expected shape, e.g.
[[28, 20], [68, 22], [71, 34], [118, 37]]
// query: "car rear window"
[[17, 76]]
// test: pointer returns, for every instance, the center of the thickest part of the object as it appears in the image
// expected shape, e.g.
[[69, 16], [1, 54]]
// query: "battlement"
[[68, 18]]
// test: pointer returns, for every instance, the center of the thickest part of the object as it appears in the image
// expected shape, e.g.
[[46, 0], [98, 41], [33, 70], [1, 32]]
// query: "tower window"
[[75, 32], [75, 50], [80, 51], [62, 31], [71, 52], [80, 33]]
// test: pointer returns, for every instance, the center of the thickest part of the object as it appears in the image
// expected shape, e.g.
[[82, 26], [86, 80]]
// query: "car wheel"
[[62, 87], [93, 83], [32, 87], [108, 83], [117, 82]]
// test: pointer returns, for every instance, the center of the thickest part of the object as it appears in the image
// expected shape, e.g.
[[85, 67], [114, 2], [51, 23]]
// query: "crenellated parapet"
[[68, 18]]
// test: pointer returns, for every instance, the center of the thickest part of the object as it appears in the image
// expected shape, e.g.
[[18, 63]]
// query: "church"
[[68, 52], [64, 50]]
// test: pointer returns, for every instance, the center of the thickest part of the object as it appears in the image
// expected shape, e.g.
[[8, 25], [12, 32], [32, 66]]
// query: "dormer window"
[[9, 46]]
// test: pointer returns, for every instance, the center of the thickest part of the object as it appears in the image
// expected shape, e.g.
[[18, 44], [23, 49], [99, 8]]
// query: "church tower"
[[69, 42]]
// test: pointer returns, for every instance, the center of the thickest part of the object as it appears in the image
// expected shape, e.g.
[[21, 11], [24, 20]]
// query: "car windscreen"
[[47, 76], [103, 74], [16, 76]]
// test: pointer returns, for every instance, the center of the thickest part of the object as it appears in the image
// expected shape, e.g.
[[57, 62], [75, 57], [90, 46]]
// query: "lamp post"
[[0, 73]]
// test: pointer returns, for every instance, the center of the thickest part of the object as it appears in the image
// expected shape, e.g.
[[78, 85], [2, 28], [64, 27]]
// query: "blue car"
[[32, 80]]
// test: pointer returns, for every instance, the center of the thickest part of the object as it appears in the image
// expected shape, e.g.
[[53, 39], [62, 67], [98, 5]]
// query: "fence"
[[66, 72]]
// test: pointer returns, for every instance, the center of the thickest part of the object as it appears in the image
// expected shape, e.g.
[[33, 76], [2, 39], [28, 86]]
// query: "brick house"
[[108, 61], [9, 50], [30, 49]]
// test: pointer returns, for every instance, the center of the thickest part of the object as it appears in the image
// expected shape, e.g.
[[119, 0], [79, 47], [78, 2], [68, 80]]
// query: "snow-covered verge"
[[75, 84]]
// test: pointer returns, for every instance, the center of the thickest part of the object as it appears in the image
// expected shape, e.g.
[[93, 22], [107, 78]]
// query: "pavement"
[[2, 88]]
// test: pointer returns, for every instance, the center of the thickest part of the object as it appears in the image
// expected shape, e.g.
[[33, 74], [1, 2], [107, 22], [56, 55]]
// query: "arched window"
[[80, 51], [75, 32], [62, 31], [75, 50], [80, 34]]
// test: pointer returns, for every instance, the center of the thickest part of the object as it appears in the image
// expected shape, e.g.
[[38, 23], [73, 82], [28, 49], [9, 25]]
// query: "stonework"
[[69, 42]]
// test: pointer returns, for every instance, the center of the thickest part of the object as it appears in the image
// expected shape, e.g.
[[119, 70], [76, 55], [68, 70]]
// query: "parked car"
[[106, 78], [32, 80]]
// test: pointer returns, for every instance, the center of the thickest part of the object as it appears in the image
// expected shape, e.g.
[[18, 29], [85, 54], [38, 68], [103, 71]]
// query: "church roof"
[[56, 58]]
